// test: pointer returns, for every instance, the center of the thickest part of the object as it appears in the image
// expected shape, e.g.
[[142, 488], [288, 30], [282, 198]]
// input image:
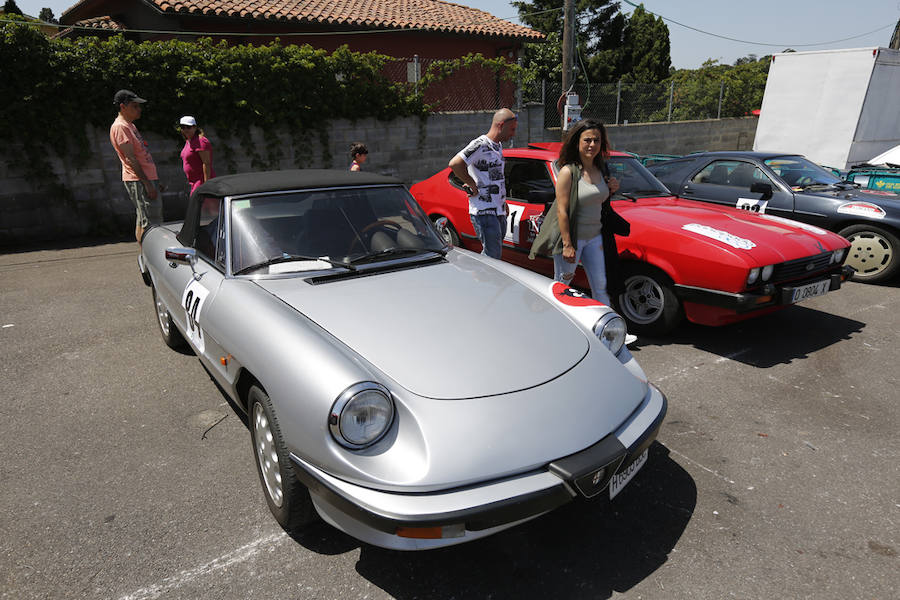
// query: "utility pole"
[[568, 48]]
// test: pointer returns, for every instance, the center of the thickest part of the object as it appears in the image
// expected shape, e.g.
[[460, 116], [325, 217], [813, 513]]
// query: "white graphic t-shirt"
[[484, 159]]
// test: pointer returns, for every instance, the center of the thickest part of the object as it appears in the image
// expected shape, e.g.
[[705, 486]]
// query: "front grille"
[[800, 268]]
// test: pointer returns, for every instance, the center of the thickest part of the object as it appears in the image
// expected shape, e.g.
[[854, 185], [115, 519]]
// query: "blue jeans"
[[590, 252], [490, 230]]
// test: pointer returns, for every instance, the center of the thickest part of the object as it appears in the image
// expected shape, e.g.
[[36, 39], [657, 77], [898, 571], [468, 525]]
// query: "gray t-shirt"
[[484, 160], [590, 205]]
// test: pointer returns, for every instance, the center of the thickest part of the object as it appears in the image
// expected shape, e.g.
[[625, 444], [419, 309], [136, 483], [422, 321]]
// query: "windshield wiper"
[[633, 194], [394, 252], [292, 257], [816, 185]]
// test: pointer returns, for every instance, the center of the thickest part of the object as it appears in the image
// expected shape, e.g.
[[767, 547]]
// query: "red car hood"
[[758, 239]]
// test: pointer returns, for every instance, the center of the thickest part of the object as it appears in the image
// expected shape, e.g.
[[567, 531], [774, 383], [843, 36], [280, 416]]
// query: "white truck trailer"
[[836, 107]]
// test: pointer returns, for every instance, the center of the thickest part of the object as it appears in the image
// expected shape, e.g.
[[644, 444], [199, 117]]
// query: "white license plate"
[[811, 290], [621, 479]]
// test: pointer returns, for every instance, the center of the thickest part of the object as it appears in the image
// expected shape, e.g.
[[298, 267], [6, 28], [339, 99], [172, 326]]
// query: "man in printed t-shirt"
[[138, 170], [480, 167]]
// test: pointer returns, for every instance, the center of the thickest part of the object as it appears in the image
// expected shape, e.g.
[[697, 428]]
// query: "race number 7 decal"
[[192, 302], [513, 222]]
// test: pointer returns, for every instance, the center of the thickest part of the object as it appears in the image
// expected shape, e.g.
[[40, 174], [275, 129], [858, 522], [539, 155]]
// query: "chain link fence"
[[468, 88], [628, 102]]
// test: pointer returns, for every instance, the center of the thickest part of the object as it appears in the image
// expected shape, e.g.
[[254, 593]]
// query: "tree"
[[598, 28], [646, 47], [10, 8], [46, 15]]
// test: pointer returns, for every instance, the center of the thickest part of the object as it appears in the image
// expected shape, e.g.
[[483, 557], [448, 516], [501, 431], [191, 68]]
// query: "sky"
[[763, 26]]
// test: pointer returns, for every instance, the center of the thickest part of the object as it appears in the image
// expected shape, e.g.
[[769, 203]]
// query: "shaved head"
[[502, 115]]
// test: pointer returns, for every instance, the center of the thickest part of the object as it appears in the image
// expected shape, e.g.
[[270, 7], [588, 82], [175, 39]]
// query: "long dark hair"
[[568, 153]]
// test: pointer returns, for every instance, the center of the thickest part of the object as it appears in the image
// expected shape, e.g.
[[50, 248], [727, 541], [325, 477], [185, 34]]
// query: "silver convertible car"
[[411, 394]]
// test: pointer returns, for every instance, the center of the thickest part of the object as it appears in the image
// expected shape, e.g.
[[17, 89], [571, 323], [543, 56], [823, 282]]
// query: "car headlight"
[[610, 330], [837, 256], [753, 276], [767, 272], [361, 415]]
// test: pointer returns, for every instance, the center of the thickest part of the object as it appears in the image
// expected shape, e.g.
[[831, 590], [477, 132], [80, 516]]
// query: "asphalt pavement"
[[126, 474]]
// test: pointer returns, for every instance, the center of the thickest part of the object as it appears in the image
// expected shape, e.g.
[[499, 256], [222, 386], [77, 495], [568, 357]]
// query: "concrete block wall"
[[410, 149]]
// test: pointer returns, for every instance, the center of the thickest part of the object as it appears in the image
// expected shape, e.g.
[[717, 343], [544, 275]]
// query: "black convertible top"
[[271, 181]]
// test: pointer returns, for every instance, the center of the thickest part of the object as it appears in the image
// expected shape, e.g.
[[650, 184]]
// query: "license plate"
[[810, 290], [621, 479]]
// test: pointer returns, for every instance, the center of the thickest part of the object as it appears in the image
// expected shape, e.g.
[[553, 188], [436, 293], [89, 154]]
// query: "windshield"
[[798, 172], [634, 178], [288, 232]]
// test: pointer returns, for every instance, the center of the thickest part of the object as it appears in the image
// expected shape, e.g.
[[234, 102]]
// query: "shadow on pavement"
[[587, 549], [779, 338]]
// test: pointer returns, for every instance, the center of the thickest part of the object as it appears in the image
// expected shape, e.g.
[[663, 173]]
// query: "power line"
[[724, 37]]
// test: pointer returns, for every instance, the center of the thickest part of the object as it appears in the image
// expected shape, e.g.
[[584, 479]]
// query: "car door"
[[740, 184], [191, 288], [530, 191]]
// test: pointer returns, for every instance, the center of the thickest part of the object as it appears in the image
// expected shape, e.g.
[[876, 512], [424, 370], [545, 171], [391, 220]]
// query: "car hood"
[[768, 239], [883, 199], [451, 330]]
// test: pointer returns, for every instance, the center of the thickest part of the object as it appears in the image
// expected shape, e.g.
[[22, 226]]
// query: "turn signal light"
[[432, 533]]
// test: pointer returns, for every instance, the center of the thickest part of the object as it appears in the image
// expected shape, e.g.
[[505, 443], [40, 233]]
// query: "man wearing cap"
[[138, 170], [480, 168]]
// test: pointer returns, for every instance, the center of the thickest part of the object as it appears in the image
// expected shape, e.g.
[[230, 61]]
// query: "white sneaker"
[[630, 338]]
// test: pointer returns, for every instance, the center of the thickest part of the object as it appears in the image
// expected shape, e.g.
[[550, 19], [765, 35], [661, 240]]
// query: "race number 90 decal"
[[192, 302]]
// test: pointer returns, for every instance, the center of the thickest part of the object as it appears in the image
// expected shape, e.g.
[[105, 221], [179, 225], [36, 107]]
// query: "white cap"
[[188, 120]]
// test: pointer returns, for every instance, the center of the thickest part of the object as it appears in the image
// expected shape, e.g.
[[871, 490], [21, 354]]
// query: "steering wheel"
[[804, 180], [386, 223]]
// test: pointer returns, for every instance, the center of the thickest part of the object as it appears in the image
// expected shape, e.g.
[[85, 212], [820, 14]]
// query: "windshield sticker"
[[792, 223], [719, 235], [749, 204], [861, 209], [570, 296], [192, 302]]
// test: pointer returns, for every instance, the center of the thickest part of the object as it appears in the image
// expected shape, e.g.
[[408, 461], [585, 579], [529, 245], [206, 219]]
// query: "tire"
[[648, 303], [287, 497], [874, 252], [452, 236], [170, 334]]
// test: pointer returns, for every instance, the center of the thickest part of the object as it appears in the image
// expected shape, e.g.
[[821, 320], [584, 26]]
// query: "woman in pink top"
[[196, 154]]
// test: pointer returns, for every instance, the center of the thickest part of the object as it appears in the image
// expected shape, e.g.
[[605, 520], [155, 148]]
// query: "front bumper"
[[773, 294], [376, 516]]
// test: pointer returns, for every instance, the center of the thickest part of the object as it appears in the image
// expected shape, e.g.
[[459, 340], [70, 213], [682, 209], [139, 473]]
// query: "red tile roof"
[[429, 15], [105, 22]]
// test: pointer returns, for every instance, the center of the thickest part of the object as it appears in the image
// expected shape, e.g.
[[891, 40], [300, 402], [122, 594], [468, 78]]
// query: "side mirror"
[[762, 188], [181, 256], [441, 224]]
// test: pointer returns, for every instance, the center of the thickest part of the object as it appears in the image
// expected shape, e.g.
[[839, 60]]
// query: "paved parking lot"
[[125, 474]]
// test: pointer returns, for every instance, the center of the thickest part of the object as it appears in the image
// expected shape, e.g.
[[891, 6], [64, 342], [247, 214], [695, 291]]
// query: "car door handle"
[[688, 189]]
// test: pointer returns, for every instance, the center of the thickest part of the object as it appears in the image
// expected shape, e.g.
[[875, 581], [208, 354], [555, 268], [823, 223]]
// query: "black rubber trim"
[[476, 518]]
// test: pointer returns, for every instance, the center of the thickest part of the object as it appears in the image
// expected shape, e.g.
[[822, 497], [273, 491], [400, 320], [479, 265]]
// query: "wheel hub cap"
[[266, 455]]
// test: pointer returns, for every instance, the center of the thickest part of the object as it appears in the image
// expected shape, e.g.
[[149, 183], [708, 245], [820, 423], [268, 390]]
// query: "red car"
[[713, 265]]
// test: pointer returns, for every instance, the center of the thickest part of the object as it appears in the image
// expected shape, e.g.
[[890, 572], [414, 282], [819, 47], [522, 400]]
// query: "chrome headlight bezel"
[[354, 399], [610, 329]]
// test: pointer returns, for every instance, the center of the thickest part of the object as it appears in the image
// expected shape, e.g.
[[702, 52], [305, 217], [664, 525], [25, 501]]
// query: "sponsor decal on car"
[[792, 223], [861, 209], [719, 235], [752, 205], [570, 296]]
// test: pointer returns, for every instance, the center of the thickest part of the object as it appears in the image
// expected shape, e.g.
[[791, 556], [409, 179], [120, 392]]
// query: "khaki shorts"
[[149, 212]]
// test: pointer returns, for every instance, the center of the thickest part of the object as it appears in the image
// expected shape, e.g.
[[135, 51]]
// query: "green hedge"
[[52, 90]]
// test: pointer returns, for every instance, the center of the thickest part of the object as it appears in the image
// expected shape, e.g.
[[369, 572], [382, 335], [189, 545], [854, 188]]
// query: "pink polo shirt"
[[123, 132]]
